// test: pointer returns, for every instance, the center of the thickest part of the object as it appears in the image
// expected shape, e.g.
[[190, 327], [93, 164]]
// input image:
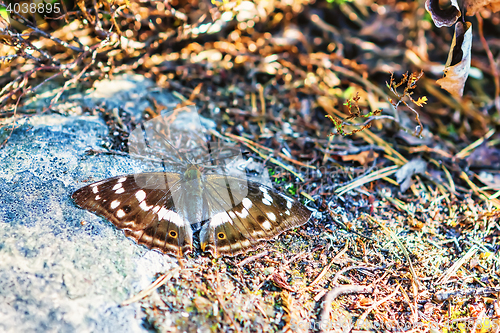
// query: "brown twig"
[[494, 70], [249, 143], [336, 292], [152, 287], [46, 35], [252, 258]]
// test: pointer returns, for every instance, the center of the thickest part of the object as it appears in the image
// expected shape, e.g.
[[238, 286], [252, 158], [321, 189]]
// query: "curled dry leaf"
[[472, 6], [458, 63], [449, 15], [443, 16]]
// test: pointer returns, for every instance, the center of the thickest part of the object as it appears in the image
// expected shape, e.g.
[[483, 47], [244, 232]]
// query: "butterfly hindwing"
[[141, 204], [261, 215]]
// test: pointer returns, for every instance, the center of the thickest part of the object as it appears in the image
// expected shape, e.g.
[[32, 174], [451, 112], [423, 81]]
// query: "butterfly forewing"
[[142, 204]]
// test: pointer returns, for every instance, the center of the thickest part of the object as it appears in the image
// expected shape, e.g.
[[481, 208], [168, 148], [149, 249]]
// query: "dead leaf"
[[443, 16], [472, 6], [404, 174], [449, 15], [362, 158], [458, 63]]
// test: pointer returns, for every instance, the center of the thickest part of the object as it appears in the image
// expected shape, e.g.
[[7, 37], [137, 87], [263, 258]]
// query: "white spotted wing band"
[[161, 214]]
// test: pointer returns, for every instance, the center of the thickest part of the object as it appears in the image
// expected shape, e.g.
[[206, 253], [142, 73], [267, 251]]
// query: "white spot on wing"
[[247, 203], [268, 197], [162, 213], [271, 216], [156, 209], [233, 215], [171, 216], [267, 202], [114, 204], [144, 206], [120, 190], [266, 225], [289, 201], [243, 213], [121, 180], [97, 197], [120, 213], [220, 218], [95, 189], [263, 189], [117, 186], [140, 195], [287, 212]]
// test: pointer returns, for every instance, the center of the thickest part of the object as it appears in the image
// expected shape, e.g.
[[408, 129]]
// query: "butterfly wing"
[[256, 213], [143, 206]]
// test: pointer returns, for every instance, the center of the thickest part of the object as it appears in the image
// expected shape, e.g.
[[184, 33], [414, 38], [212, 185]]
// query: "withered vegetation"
[[377, 254]]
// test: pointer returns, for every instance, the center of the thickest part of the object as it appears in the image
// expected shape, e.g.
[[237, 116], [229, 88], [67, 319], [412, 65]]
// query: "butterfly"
[[227, 213], [160, 209]]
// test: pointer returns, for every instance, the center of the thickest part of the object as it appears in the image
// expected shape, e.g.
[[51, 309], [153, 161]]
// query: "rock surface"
[[63, 269]]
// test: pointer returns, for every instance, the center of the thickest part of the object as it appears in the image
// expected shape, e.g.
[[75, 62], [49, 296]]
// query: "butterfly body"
[[161, 209]]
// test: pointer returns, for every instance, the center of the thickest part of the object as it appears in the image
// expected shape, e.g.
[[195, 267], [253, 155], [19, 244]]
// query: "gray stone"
[[63, 269]]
